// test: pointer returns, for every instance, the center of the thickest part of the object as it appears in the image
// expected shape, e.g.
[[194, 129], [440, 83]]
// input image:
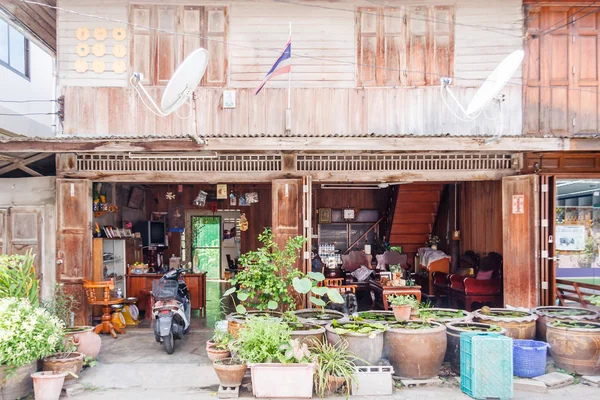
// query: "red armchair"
[[484, 288]]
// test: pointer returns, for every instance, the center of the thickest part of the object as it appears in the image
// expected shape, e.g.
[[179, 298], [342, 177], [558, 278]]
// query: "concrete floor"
[[135, 366]]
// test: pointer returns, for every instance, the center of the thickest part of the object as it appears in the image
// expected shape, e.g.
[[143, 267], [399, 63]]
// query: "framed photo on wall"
[[349, 214], [324, 215]]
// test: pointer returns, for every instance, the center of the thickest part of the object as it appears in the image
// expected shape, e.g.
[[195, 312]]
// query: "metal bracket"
[[544, 223], [545, 188]]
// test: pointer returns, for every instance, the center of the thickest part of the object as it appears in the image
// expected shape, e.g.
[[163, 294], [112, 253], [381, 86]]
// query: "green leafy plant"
[[260, 339], [222, 340], [573, 324], [89, 362], [474, 328], [418, 324], [61, 305], [310, 284], [18, 278], [295, 352], [27, 333], [268, 273], [403, 300], [365, 328], [371, 316], [332, 360], [595, 300], [440, 314]]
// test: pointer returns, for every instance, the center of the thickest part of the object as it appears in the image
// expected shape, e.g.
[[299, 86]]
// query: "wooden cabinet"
[[110, 258]]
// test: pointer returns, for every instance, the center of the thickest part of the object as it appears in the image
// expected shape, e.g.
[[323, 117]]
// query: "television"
[[153, 233]]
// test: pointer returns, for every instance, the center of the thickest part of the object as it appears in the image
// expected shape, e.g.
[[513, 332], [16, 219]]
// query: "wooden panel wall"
[[360, 199], [259, 215], [561, 162], [480, 218]]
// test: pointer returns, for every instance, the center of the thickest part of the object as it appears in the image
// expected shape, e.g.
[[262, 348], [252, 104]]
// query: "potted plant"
[[444, 315], [320, 296], [416, 349], [68, 361], [29, 333], [432, 241], [18, 278], [230, 371], [363, 339], [334, 367], [275, 359], [557, 313], [453, 331], [304, 332], [519, 324], [379, 316], [218, 347], [402, 306], [575, 346]]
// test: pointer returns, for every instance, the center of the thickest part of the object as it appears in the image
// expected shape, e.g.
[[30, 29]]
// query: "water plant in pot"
[[557, 313], [218, 347], [363, 339], [519, 323], [29, 333], [275, 359], [303, 331], [320, 296], [334, 367], [402, 306], [575, 346], [453, 331]]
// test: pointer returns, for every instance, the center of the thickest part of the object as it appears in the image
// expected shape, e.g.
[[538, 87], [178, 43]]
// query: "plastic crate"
[[529, 358], [373, 381], [486, 365]]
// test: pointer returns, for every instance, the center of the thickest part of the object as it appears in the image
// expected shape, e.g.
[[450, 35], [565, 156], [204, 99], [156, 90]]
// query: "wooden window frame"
[[404, 77], [178, 47], [7, 64]]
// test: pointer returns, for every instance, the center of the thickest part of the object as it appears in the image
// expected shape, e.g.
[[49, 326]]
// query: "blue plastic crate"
[[486, 365]]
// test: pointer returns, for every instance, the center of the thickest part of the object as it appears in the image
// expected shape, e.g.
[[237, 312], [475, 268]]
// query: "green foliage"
[[267, 275], [595, 300], [403, 300], [222, 340], [17, 277], [424, 324], [295, 352], [27, 333], [260, 339], [89, 362], [61, 305], [435, 315], [332, 360], [365, 328]]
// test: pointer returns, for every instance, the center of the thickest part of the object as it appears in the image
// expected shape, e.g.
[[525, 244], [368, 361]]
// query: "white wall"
[[40, 86]]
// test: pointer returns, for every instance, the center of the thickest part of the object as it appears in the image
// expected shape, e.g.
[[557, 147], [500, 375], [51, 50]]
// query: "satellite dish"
[[492, 86], [182, 84], [496, 81]]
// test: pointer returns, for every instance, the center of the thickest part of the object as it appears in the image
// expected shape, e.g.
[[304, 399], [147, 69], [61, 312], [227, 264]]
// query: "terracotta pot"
[[230, 375], [333, 384], [217, 354], [576, 350], [453, 331], [367, 348], [556, 313], [308, 333], [416, 353], [467, 316], [64, 362], [522, 327], [319, 317], [402, 313], [19, 384], [85, 339], [47, 385]]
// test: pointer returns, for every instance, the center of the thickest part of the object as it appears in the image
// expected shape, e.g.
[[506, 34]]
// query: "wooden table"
[[378, 290], [196, 284]]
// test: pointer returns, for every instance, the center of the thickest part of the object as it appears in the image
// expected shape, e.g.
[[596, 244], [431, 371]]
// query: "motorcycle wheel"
[[188, 315], [169, 343]]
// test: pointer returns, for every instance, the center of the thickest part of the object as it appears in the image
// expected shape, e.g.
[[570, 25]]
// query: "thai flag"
[[283, 65]]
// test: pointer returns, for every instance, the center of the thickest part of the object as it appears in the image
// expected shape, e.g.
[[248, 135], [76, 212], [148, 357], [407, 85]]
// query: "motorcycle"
[[172, 308]]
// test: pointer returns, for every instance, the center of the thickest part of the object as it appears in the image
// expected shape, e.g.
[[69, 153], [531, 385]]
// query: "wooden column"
[[73, 240], [287, 210], [520, 211]]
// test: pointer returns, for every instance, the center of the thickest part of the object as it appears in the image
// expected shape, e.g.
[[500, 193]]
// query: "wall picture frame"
[[324, 215], [349, 214]]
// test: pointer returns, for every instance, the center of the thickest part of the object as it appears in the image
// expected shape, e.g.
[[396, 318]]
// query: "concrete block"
[[591, 380], [228, 392], [411, 383], [73, 389], [529, 385], [555, 380]]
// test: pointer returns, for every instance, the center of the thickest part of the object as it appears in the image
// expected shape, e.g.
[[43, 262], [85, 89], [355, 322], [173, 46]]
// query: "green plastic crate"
[[486, 365]]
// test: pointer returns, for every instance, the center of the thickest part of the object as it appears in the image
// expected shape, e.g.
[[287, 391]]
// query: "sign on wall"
[[518, 204], [570, 238]]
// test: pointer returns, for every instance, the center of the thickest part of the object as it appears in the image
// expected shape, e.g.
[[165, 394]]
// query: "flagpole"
[[288, 114]]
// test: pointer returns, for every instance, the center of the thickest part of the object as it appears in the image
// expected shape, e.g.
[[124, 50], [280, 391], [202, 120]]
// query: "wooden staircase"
[[414, 216]]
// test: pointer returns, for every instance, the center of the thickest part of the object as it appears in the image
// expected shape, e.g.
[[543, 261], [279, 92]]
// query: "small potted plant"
[[575, 346], [66, 360], [432, 241], [303, 331], [334, 367], [218, 347], [363, 339], [402, 306], [230, 371]]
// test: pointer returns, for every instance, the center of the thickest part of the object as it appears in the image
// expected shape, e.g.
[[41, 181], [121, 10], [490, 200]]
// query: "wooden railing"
[[577, 292], [363, 235]]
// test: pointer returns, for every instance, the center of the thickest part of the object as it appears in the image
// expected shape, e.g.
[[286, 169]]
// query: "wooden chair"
[[106, 326], [341, 289], [333, 282]]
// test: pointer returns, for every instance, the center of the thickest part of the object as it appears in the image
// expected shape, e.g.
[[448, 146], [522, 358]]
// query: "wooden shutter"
[[166, 54], [192, 28], [440, 60], [73, 239], [25, 233], [394, 46], [532, 73], [215, 29], [3, 213], [142, 42], [417, 45], [368, 47]]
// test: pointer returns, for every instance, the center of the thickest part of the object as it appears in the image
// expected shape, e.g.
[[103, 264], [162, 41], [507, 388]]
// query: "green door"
[[206, 245]]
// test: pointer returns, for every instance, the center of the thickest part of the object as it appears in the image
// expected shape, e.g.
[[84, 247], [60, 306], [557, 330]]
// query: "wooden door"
[[520, 211], [547, 245], [24, 227], [73, 239], [286, 209]]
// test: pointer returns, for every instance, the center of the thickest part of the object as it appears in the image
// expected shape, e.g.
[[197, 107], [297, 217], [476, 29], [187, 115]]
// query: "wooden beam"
[[30, 18], [21, 163]]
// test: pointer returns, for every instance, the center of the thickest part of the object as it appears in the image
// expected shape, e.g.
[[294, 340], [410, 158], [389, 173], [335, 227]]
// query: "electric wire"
[[24, 114], [28, 101], [567, 19]]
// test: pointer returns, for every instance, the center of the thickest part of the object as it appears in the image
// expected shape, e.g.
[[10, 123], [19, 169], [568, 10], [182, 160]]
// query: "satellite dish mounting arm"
[[136, 81]]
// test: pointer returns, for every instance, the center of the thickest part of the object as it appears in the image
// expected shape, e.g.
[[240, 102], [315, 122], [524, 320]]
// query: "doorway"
[[206, 245]]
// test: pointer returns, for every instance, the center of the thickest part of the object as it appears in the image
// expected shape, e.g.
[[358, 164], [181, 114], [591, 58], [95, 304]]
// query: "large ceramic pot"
[[518, 324], [64, 362], [235, 320], [230, 373], [446, 315], [319, 316], [416, 353], [575, 348], [378, 316], [453, 331], [85, 340], [19, 384], [307, 332], [366, 346], [217, 354], [556, 313]]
